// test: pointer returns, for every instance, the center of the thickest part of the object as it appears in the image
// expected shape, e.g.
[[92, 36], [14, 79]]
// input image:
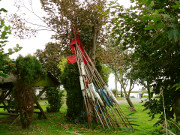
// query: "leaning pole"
[[101, 106]]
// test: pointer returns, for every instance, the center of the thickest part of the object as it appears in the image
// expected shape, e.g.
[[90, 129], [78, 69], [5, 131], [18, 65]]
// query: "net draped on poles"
[[100, 104]]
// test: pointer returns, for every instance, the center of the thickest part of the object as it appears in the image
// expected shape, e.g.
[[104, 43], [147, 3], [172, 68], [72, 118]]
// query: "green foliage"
[[49, 59], [173, 127], [87, 16], [177, 86], [2, 9], [114, 92], [46, 82], [54, 96], [6, 65], [144, 96], [62, 64], [28, 69], [12, 102], [103, 70], [151, 29], [70, 81]]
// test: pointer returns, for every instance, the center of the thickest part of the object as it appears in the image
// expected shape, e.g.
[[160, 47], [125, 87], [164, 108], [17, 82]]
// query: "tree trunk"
[[127, 96], [177, 109], [121, 92], [129, 102], [149, 92], [116, 87], [131, 108]]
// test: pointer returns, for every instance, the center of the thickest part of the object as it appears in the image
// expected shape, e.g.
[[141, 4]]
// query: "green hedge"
[[70, 81], [54, 96]]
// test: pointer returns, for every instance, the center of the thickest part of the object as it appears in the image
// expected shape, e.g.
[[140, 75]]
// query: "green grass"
[[57, 124]]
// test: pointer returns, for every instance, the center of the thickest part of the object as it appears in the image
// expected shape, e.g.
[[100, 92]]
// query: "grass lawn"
[[57, 124]]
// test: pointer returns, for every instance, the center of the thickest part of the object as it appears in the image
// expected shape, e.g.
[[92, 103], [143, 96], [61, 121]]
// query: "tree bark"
[[116, 87], [127, 96], [121, 92], [149, 92], [177, 108], [129, 102]]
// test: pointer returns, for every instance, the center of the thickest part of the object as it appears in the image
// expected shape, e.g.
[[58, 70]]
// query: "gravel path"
[[134, 100]]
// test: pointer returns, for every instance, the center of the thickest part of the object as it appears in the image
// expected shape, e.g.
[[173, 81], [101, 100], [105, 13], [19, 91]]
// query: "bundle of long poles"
[[100, 104]]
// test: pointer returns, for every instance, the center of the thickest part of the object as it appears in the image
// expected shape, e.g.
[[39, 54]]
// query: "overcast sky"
[[32, 44], [42, 37]]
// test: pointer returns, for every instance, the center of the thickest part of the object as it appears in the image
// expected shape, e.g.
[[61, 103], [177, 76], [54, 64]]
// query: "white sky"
[[31, 45]]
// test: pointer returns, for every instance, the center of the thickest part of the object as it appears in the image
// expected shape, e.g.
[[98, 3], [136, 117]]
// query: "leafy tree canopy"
[[151, 30], [65, 15], [49, 58], [28, 69]]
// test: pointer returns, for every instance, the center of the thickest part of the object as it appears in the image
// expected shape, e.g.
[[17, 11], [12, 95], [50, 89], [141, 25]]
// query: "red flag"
[[73, 42], [74, 31], [72, 59]]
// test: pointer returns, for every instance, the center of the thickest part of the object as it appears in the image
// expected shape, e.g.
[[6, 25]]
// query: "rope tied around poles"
[[100, 103]]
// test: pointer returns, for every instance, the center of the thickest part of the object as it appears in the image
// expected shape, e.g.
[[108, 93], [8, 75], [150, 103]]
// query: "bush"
[[70, 81], [173, 127], [145, 96], [54, 96]]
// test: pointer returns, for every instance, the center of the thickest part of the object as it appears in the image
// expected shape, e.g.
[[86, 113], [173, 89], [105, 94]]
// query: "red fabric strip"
[[72, 59]]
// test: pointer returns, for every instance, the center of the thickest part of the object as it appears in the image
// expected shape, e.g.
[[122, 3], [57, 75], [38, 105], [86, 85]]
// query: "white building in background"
[[38, 91]]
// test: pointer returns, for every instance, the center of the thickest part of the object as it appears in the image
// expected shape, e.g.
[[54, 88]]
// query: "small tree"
[[70, 81], [28, 70], [126, 81], [121, 65], [54, 96]]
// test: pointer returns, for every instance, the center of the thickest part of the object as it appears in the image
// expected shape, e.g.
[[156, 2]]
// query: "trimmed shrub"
[[54, 96], [70, 81]]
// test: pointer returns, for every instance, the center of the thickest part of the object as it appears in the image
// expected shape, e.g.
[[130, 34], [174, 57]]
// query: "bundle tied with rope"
[[100, 104]]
